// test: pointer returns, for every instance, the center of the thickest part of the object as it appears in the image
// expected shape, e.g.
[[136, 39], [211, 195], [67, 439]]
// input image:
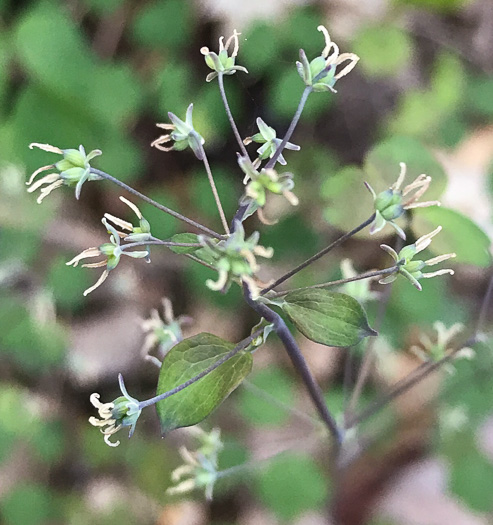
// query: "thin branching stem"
[[299, 363], [161, 207], [278, 403], [304, 97], [360, 277], [214, 189], [425, 369], [232, 122], [318, 255], [238, 348], [369, 354], [161, 243]]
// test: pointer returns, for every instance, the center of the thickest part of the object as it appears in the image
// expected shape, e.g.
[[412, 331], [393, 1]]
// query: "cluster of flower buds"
[[441, 347], [267, 137], [392, 203], [258, 183], [411, 269], [223, 62], [124, 411], [200, 468], [111, 251], [234, 258], [182, 134], [163, 333], [73, 170], [321, 73]]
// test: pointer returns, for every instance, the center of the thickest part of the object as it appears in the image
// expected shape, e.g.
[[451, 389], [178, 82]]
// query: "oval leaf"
[[459, 235], [186, 360], [329, 318]]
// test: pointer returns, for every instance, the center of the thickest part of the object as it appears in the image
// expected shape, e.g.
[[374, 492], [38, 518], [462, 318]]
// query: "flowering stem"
[[238, 348], [425, 369], [369, 353], [403, 386], [318, 255], [304, 97], [232, 122], [359, 277], [161, 243], [278, 403], [298, 361], [165, 209], [214, 189]]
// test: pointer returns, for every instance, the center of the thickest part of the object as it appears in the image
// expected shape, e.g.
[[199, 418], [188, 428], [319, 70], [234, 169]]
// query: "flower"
[[124, 411], [258, 183], [440, 348], [234, 258], [411, 269], [164, 334], [200, 467], [73, 170], [112, 251], [321, 72], [223, 62], [267, 137], [182, 134], [139, 233], [390, 204]]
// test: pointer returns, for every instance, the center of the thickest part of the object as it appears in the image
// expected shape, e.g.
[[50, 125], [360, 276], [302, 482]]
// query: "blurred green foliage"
[[59, 86]]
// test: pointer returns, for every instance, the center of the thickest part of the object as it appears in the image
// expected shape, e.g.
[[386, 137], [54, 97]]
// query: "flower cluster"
[[267, 137], [411, 269], [258, 183], [182, 134], [435, 350], [321, 73], [392, 203], [111, 251], [124, 411], [234, 258], [200, 467], [73, 170], [162, 333], [223, 62]]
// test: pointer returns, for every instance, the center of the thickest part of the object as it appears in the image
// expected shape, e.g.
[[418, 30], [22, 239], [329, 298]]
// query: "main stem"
[[318, 255], [214, 190], [232, 122], [299, 363], [304, 97], [165, 209]]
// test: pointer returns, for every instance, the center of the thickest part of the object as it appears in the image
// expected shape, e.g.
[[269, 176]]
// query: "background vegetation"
[[102, 73]]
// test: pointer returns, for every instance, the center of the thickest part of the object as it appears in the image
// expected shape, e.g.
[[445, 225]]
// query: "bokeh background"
[[102, 73]]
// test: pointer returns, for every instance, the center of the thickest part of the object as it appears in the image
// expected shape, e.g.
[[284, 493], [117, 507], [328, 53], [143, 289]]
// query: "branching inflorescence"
[[327, 316]]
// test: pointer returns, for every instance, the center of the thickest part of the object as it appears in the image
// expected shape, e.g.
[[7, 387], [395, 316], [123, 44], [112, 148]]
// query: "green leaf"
[[163, 24], [255, 403], [349, 202], [188, 359], [291, 485], [184, 238], [28, 504], [261, 45], [479, 96], [459, 235], [329, 318], [383, 49]]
